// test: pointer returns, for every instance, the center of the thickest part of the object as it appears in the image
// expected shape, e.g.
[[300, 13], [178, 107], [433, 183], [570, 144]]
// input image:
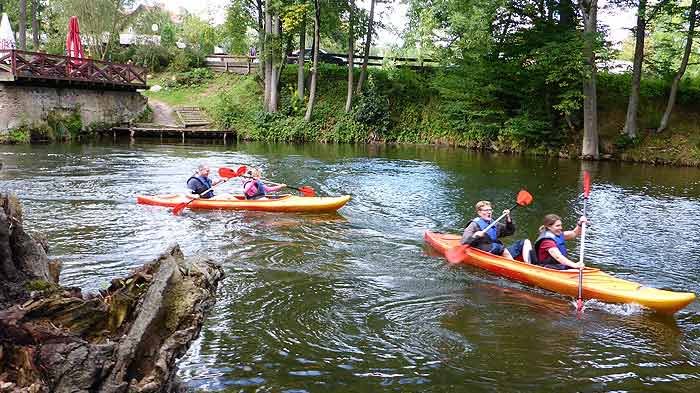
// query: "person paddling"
[[550, 247], [254, 188], [489, 241], [199, 183]]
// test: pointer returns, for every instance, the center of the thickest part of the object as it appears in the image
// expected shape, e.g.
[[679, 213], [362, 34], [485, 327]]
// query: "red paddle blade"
[[229, 173], [178, 208], [524, 198], [579, 307], [586, 184], [456, 254], [307, 191]]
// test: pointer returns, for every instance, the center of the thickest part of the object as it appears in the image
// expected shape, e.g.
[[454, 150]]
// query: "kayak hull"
[[282, 203], [596, 284]]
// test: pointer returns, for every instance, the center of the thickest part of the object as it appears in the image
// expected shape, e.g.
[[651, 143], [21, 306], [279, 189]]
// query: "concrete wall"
[[28, 105]]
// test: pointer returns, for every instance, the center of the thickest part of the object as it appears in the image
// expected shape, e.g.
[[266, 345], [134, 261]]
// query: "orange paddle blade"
[[456, 254], [179, 207], [524, 198], [307, 191]]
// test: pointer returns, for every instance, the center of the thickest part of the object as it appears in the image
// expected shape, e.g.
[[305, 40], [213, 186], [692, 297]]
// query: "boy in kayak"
[[550, 246], [475, 236], [200, 182], [254, 188]]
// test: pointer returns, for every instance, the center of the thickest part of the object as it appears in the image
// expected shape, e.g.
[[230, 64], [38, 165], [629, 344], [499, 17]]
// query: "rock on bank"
[[125, 338]]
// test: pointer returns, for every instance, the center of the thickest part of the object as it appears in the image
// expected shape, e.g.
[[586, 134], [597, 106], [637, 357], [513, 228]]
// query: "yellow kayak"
[[281, 203], [596, 284]]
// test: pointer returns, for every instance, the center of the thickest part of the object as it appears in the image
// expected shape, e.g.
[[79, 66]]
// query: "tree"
[[589, 12], [368, 45], [301, 58], [35, 25], [692, 19], [351, 61], [643, 19], [23, 24], [314, 69]]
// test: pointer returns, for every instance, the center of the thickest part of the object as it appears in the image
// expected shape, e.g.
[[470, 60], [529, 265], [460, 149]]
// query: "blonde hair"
[[254, 172], [481, 204], [549, 220]]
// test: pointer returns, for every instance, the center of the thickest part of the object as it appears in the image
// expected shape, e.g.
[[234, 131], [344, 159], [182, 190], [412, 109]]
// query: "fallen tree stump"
[[124, 338]]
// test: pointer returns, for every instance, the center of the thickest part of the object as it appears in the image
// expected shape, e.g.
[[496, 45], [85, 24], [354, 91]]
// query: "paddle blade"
[[579, 307], [179, 207], [229, 173], [456, 254], [524, 198], [586, 184], [307, 191]]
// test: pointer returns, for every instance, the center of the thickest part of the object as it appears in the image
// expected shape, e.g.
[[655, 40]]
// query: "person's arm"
[[472, 234], [557, 255], [576, 232], [506, 229], [274, 188], [191, 186]]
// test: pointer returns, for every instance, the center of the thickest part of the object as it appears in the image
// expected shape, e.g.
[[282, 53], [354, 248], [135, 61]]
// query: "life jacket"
[[493, 234], [260, 189], [547, 235], [204, 184]]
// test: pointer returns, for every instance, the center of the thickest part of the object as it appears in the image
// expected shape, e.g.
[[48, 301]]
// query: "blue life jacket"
[[259, 193], [493, 234], [561, 245], [202, 184]]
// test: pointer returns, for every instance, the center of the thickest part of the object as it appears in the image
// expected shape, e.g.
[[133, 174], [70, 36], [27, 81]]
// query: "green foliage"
[[192, 78], [16, 136], [65, 125], [167, 36], [372, 108], [624, 141], [188, 58], [146, 116]]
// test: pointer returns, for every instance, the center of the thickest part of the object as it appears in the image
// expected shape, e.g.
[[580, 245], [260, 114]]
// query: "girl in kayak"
[[550, 246], [475, 236], [254, 188]]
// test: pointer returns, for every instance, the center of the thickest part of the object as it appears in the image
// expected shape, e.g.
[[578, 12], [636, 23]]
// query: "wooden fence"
[[246, 65], [17, 65]]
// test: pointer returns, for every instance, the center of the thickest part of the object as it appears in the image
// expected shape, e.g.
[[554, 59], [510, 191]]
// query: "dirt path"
[[163, 113]]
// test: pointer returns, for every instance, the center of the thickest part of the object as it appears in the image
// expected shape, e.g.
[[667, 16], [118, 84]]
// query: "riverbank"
[[401, 106]]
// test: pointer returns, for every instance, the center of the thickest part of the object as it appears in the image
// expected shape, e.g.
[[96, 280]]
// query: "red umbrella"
[[74, 47]]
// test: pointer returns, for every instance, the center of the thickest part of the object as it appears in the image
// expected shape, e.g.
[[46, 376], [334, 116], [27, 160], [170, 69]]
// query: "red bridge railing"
[[18, 65]]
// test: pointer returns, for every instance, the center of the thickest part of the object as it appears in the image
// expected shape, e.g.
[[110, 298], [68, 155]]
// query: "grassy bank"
[[404, 106]]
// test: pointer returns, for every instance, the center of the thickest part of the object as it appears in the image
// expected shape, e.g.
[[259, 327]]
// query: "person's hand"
[[506, 212], [283, 185], [582, 220], [478, 234], [579, 265], [193, 196]]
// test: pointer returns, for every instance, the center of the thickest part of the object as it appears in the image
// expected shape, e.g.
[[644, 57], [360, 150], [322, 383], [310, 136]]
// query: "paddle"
[[457, 254], [306, 190], [226, 173], [586, 191]]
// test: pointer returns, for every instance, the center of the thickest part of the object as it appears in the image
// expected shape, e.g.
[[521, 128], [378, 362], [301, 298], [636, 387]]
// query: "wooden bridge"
[[32, 67]]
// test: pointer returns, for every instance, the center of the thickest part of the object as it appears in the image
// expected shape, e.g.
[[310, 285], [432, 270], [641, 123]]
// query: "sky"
[[618, 21]]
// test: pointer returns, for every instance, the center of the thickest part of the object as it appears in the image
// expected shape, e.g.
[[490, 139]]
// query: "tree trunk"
[[567, 14], [589, 11], [314, 69], [368, 44], [23, 24], [681, 70], [267, 57], [351, 61], [633, 105], [301, 58], [275, 64], [35, 24]]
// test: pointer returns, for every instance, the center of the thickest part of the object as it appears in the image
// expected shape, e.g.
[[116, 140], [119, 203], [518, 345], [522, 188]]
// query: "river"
[[355, 301]]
